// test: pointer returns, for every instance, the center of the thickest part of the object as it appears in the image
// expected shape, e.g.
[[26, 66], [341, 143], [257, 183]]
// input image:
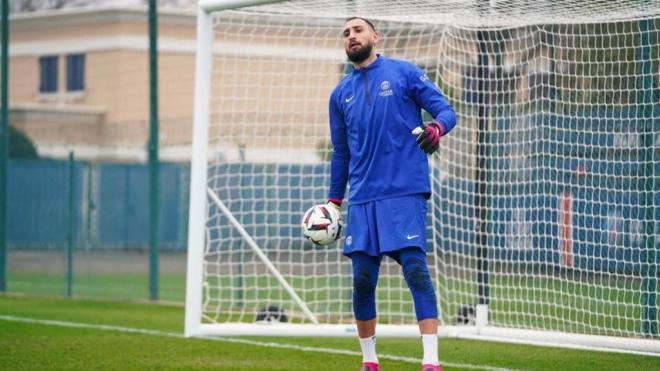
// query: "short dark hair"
[[371, 25]]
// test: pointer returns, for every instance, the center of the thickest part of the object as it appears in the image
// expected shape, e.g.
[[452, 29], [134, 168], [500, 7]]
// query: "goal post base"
[[280, 329], [567, 340], [485, 333]]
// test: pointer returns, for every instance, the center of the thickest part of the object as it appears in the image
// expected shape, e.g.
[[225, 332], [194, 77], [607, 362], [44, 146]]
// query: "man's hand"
[[337, 206], [428, 137]]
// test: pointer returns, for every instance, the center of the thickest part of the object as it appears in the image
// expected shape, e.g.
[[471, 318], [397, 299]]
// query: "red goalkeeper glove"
[[428, 137]]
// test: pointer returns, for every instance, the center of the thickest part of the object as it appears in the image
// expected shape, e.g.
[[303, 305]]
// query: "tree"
[[20, 145]]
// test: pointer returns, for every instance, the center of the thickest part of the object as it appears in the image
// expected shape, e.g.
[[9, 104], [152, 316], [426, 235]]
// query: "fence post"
[[4, 144], [70, 222], [154, 175]]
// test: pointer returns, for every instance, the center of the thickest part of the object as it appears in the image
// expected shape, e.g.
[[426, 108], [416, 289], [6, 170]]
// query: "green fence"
[[108, 228]]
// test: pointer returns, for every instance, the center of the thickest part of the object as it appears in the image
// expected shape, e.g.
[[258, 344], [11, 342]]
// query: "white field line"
[[240, 341]]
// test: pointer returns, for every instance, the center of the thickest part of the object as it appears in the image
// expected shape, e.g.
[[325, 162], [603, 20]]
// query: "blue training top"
[[372, 114]]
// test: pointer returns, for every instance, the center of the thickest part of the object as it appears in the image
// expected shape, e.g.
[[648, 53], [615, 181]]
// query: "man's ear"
[[376, 37]]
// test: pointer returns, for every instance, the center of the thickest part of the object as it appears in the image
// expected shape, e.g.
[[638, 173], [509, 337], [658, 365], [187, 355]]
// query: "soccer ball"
[[321, 224]]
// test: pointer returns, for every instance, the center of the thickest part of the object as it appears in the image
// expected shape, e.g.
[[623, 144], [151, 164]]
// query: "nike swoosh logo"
[[409, 237], [349, 98]]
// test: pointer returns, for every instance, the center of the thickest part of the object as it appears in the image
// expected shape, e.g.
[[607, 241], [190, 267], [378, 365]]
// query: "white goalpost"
[[543, 223]]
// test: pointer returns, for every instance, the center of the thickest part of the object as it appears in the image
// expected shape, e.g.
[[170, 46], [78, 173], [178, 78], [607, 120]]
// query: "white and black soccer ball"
[[322, 224]]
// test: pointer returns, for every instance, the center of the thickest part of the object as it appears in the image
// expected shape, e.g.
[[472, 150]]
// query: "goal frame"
[[200, 196]]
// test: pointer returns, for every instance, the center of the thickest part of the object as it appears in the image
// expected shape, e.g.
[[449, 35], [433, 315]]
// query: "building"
[[79, 80]]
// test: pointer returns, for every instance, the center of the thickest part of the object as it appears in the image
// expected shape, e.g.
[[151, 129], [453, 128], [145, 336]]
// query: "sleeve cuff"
[[335, 201]]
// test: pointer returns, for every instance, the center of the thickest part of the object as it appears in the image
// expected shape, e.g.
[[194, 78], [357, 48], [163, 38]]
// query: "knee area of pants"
[[363, 283], [416, 274]]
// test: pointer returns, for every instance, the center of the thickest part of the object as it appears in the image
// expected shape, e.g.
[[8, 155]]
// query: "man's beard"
[[361, 54]]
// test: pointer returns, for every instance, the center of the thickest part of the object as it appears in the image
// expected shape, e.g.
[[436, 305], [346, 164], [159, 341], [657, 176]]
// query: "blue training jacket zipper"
[[367, 97]]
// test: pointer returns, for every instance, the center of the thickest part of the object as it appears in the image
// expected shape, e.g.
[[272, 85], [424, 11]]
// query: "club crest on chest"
[[385, 89]]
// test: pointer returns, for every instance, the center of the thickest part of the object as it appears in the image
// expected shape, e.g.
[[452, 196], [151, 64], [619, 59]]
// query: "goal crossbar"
[[209, 6]]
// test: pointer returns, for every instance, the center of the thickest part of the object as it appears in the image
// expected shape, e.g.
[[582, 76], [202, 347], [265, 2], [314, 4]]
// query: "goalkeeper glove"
[[428, 137], [336, 205]]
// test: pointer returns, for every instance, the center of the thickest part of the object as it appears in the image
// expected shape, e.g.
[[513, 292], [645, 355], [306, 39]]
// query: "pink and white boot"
[[370, 366], [431, 368]]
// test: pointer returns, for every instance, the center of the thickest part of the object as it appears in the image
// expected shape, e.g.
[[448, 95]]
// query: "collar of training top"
[[373, 64]]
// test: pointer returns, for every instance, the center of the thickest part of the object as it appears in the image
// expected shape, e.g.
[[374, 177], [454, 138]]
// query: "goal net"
[[543, 220]]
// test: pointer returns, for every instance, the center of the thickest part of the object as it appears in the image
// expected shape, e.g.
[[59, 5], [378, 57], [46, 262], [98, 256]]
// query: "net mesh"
[[544, 193], [470, 13]]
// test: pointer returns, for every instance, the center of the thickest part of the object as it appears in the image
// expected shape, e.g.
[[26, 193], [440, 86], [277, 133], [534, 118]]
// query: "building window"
[[75, 72], [48, 66]]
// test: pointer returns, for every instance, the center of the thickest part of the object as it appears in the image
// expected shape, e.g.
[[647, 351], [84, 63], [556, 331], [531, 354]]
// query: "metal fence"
[[104, 208], [111, 205]]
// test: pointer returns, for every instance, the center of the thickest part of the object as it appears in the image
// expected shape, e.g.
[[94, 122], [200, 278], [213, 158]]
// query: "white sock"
[[430, 345], [368, 346]]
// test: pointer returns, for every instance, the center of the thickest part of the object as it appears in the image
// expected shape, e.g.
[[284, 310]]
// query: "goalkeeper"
[[373, 114]]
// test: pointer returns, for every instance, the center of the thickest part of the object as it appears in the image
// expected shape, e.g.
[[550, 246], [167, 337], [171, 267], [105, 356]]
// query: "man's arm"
[[427, 95], [340, 154]]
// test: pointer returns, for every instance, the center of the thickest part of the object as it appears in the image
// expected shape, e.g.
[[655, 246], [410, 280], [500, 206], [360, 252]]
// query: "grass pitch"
[[61, 334]]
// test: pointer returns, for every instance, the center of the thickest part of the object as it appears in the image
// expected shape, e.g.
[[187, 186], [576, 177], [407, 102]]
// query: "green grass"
[[542, 302], [103, 286], [27, 346]]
